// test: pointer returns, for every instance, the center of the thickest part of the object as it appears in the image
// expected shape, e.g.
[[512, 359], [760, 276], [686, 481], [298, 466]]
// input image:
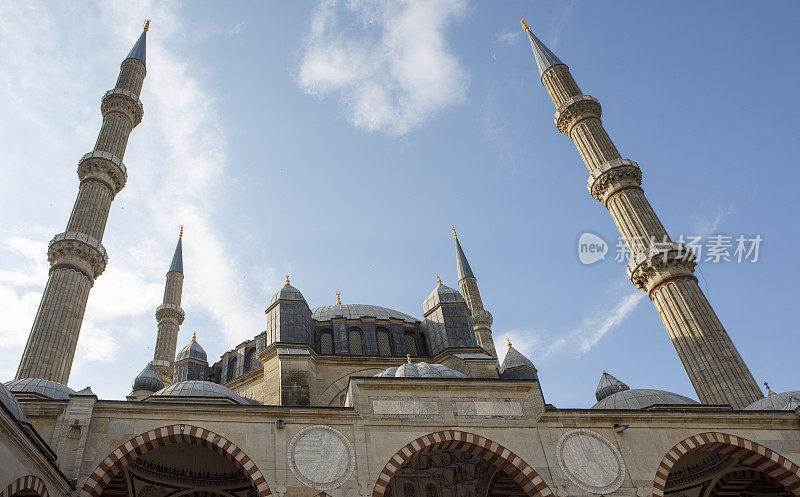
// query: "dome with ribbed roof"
[[608, 385], [639, 398], [10, 402], [442, 294], [43, 388], [288, 292], [148, 380], [192, 351], [200, 389], [421, 370], [776, 402], [359, 311]]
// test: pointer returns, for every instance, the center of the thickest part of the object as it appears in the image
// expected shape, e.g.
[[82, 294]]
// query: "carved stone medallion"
[[321, 457], [590, 461]]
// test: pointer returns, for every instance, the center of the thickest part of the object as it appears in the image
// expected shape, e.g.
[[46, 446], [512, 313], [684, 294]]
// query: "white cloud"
[[388, 61], [509, 37], [709, 224]]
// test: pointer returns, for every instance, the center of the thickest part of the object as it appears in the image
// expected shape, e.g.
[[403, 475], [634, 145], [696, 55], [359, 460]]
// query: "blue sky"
[[338, 141]]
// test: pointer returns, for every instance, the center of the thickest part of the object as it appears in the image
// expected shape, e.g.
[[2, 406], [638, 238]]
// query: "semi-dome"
[[288, 292], [784, 401], [609, 385], [639, 398], [200, 389], [10, 402], [148, 380], [442, 294], [192, 351], [358, 311], [421, 370], [44, 388]]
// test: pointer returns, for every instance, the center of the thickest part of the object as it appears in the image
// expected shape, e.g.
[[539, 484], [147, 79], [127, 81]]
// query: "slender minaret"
[[170, 316], [661, 267], [77, 256], [468, 284]]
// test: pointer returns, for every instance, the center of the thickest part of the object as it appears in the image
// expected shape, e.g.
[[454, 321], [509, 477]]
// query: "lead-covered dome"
[[639, 398], [39, 387], [442, 294], [421, 370], [784, 401], [192, 351], [148, 380], [288, 292], [608, 385], [10, 403], [200, 389], [358, 311]]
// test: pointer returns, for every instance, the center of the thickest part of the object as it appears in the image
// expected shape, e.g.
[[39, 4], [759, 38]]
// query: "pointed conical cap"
[[514, 358], [139, 49], [464, 271], [177, 259], [545, 59], [608, 385]]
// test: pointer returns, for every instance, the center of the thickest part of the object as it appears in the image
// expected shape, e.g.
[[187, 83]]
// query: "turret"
[[517, 366], [191, 363], [170, 316], [468, 284], [289, 317], [77, 256], [447, 320]]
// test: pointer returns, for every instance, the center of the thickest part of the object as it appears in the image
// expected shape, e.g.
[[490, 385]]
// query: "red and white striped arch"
[[749, 453], [26, 483], [181, 433], [501, 457]]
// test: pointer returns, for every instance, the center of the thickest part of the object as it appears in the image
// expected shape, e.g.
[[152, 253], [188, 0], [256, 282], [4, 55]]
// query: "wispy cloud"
[[562, 21], [387, 61], [709, 224], [509, 37]]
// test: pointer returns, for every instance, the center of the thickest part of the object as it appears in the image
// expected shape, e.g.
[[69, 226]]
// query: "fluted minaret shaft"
[[468, 286], [170, 316], [76, 256], [658, 265]]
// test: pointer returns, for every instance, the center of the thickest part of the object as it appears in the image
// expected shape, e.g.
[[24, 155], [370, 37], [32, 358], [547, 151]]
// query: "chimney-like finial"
[[454, 232], [438, 280], [509, 341], [287, 279], [338, 298], [194, 336], [180, 234], [146, 24], [408, 358], [524, 24], [769, 392]]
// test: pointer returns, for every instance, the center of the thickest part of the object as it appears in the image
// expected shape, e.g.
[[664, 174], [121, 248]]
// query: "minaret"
[[170, 316], [659, 266], [468, 285], [76, 256]]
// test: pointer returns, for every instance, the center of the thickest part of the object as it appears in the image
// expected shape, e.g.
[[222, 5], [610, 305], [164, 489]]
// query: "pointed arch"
[[29, 482], [159, 437], [491, 451], [749, 453]]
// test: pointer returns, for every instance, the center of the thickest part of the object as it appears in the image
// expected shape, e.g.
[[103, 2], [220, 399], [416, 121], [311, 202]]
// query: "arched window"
[[354, 337], [411, 344], [409, 490], [326, 343], [423, 345], [388, 492], [250, 360], [430, 490], [384, 347], [231, 368]]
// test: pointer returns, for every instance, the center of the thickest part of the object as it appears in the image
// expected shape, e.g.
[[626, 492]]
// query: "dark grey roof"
[[464, 271], [608, 385], [148, 380], [177, 258], [139, 49], [442, 294], [192, 351], [358, 311], [639, 398], [515, 359], [45, 388], [421, 370], [288, 292], [545, 59], [8, 400], [197, 388], [776, 402]]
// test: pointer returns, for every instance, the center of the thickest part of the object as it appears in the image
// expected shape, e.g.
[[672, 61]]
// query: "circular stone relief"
[[590, 461], [321, 457]]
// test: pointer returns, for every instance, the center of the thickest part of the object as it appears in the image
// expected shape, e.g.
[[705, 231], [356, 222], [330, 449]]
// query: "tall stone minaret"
[[77, 256], [659, 266], [170, 316], [468, 285]]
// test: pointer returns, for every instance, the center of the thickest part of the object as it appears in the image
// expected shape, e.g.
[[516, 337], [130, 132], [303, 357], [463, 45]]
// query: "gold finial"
[[338, 298], [524, 24], [146, 24], [438, 280], [769, 392], [180, 235], [194, 337], [287, 279], [509, 341], [619, 387], [454, 232]]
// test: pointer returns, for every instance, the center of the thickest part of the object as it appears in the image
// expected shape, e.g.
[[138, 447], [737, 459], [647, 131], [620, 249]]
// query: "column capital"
[[574, 110], [660, 263], [77, 251], [124, 101], [611, 177], [104, 167], [170, 311]]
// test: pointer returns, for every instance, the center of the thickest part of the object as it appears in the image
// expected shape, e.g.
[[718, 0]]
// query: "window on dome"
[[384, 347], [354, 337], [326, 343], [409, 490], [411, 344], [430, 490]]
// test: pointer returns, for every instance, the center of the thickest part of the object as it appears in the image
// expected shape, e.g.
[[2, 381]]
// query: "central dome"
[[358, 311]]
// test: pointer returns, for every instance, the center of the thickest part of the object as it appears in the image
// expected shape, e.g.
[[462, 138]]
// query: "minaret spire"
[[170, 317], [468, 285], [77, 256], [659, 266]]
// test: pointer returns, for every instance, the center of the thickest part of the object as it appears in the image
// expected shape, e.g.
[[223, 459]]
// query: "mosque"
[[357, 400]]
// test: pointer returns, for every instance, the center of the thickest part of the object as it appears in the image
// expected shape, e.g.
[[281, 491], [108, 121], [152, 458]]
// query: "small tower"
[[468, 284], [447, 321], [517, 366], [608, 385], [77, 256], [658, 265], [170, 316], [191, 363]]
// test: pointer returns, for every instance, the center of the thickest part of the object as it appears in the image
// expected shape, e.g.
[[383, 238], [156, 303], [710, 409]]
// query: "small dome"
[[203, 389], [358, 311], [288, 292], [192, 351], [442, 294], [45, 388], [776, 402], [10, 403], [608, 385], [639, 398], [148, 380], [421, 370]]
